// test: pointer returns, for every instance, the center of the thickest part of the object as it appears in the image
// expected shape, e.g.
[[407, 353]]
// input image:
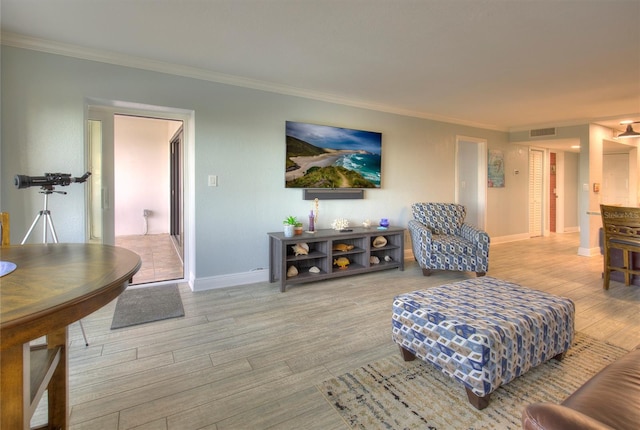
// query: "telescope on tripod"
[[47, 184]]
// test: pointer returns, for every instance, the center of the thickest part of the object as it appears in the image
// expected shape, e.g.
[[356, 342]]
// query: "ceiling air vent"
[[540, 132]]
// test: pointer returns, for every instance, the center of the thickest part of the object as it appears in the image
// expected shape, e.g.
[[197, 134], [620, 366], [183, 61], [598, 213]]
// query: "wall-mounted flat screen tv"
[[320, 156]]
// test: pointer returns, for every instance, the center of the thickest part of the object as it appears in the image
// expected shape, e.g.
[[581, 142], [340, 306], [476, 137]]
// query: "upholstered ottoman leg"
[[426, 272], [477, 401], [406, 354], [480, 274]]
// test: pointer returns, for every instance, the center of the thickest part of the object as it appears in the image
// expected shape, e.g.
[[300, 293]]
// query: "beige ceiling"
[[506, 65]]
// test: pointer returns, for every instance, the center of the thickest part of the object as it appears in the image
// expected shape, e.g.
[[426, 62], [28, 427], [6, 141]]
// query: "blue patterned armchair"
[[442, 241]]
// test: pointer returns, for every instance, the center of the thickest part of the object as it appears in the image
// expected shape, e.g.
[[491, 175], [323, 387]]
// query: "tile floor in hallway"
[[160, 259]]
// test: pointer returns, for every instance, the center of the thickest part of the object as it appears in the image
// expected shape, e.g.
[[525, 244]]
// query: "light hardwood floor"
[[249, 357]]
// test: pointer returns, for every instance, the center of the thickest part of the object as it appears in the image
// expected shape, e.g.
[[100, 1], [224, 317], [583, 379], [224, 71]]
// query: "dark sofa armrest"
[[549, 416]]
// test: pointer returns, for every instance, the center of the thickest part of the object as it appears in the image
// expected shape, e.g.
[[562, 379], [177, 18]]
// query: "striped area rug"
[[394, 394]]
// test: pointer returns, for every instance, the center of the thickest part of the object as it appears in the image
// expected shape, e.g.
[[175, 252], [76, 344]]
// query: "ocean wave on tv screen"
[[368, 165]]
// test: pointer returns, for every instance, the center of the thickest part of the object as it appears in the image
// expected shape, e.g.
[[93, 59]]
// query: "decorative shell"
[[342, 247], [387, 258], [292, 271], [314, 269], [300, 248], [374, 260], [379, 242], [341, 262], [366, 223]]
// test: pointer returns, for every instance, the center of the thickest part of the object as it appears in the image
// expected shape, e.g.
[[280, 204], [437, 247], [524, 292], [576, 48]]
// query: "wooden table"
[[53, 286]]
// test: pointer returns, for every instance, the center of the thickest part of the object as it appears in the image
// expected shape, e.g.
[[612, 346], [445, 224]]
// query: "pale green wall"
[[571, 164], [239, 136]]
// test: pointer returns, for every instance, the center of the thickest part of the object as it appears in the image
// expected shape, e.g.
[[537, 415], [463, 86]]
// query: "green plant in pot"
[[290, 223]]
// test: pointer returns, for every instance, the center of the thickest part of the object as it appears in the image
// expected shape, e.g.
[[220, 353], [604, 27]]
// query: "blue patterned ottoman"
[[483, 332]]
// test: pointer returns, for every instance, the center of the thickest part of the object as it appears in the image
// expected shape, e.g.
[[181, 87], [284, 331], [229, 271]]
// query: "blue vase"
[[384, 222]]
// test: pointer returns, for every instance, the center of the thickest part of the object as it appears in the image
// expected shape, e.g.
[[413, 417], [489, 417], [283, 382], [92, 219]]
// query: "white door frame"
[[481, 158], [109, 108]]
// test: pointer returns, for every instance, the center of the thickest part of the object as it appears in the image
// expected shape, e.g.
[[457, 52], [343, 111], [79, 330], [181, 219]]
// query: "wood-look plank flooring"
[[249, 357]]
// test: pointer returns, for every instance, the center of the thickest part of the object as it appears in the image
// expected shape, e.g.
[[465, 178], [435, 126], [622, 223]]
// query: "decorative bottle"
[[312, 220]]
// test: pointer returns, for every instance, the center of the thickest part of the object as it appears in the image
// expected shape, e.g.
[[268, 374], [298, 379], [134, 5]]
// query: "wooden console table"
[[53, 286], [322, 254]]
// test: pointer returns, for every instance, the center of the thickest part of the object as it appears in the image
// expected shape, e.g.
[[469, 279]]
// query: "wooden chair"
[[4, 225], [621, 229]]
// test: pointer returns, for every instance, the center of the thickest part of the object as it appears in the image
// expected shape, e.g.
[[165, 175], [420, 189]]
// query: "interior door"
[[553, 192], [615, 179], [536, 192], [100, 150], [176, 184]]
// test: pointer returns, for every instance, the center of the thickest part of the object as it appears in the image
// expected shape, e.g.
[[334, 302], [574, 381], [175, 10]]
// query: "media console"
[[321, 254]]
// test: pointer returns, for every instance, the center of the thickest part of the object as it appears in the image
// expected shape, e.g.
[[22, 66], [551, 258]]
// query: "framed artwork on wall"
[[495, 174], [325, 157]]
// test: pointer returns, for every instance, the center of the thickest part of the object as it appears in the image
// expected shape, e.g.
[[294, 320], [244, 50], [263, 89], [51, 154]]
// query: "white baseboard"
[[589, 252], [231, 280], [510, 238], [255, 276]]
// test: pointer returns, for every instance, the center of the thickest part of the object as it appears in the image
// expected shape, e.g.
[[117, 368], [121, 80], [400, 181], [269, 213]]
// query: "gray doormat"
[[142, 305]]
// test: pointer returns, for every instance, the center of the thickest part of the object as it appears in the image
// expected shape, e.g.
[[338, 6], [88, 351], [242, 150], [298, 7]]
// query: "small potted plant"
[[290, 223], [298, 229]]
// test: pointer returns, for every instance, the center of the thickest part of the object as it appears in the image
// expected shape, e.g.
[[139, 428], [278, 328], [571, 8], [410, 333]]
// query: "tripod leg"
[[86, 342], [35, 221], [47, 215]]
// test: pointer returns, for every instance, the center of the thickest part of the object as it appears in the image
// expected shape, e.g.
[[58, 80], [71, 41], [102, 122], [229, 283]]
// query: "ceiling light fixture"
[[629, 132]]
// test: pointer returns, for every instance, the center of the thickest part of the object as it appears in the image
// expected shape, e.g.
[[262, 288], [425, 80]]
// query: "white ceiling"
[[505, 65]]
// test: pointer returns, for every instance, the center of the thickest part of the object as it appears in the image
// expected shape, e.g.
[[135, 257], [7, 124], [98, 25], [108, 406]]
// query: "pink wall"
[[142, 174]]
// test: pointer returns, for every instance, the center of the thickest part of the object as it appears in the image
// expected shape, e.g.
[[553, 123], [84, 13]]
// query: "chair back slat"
[[620, 222], [621, 231]]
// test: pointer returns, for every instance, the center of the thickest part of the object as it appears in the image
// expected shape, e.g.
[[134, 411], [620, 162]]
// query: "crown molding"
[[47, 46]]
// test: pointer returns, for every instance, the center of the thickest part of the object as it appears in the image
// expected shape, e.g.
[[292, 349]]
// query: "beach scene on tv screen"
[[320, 156]]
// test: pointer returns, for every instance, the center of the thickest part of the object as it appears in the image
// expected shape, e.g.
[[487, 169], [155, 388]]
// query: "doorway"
[[144, 194], [471, 178], [139, 190]]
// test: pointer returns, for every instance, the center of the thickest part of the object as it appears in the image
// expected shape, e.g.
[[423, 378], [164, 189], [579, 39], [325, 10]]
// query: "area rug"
[[394, 394], [142, 305]]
